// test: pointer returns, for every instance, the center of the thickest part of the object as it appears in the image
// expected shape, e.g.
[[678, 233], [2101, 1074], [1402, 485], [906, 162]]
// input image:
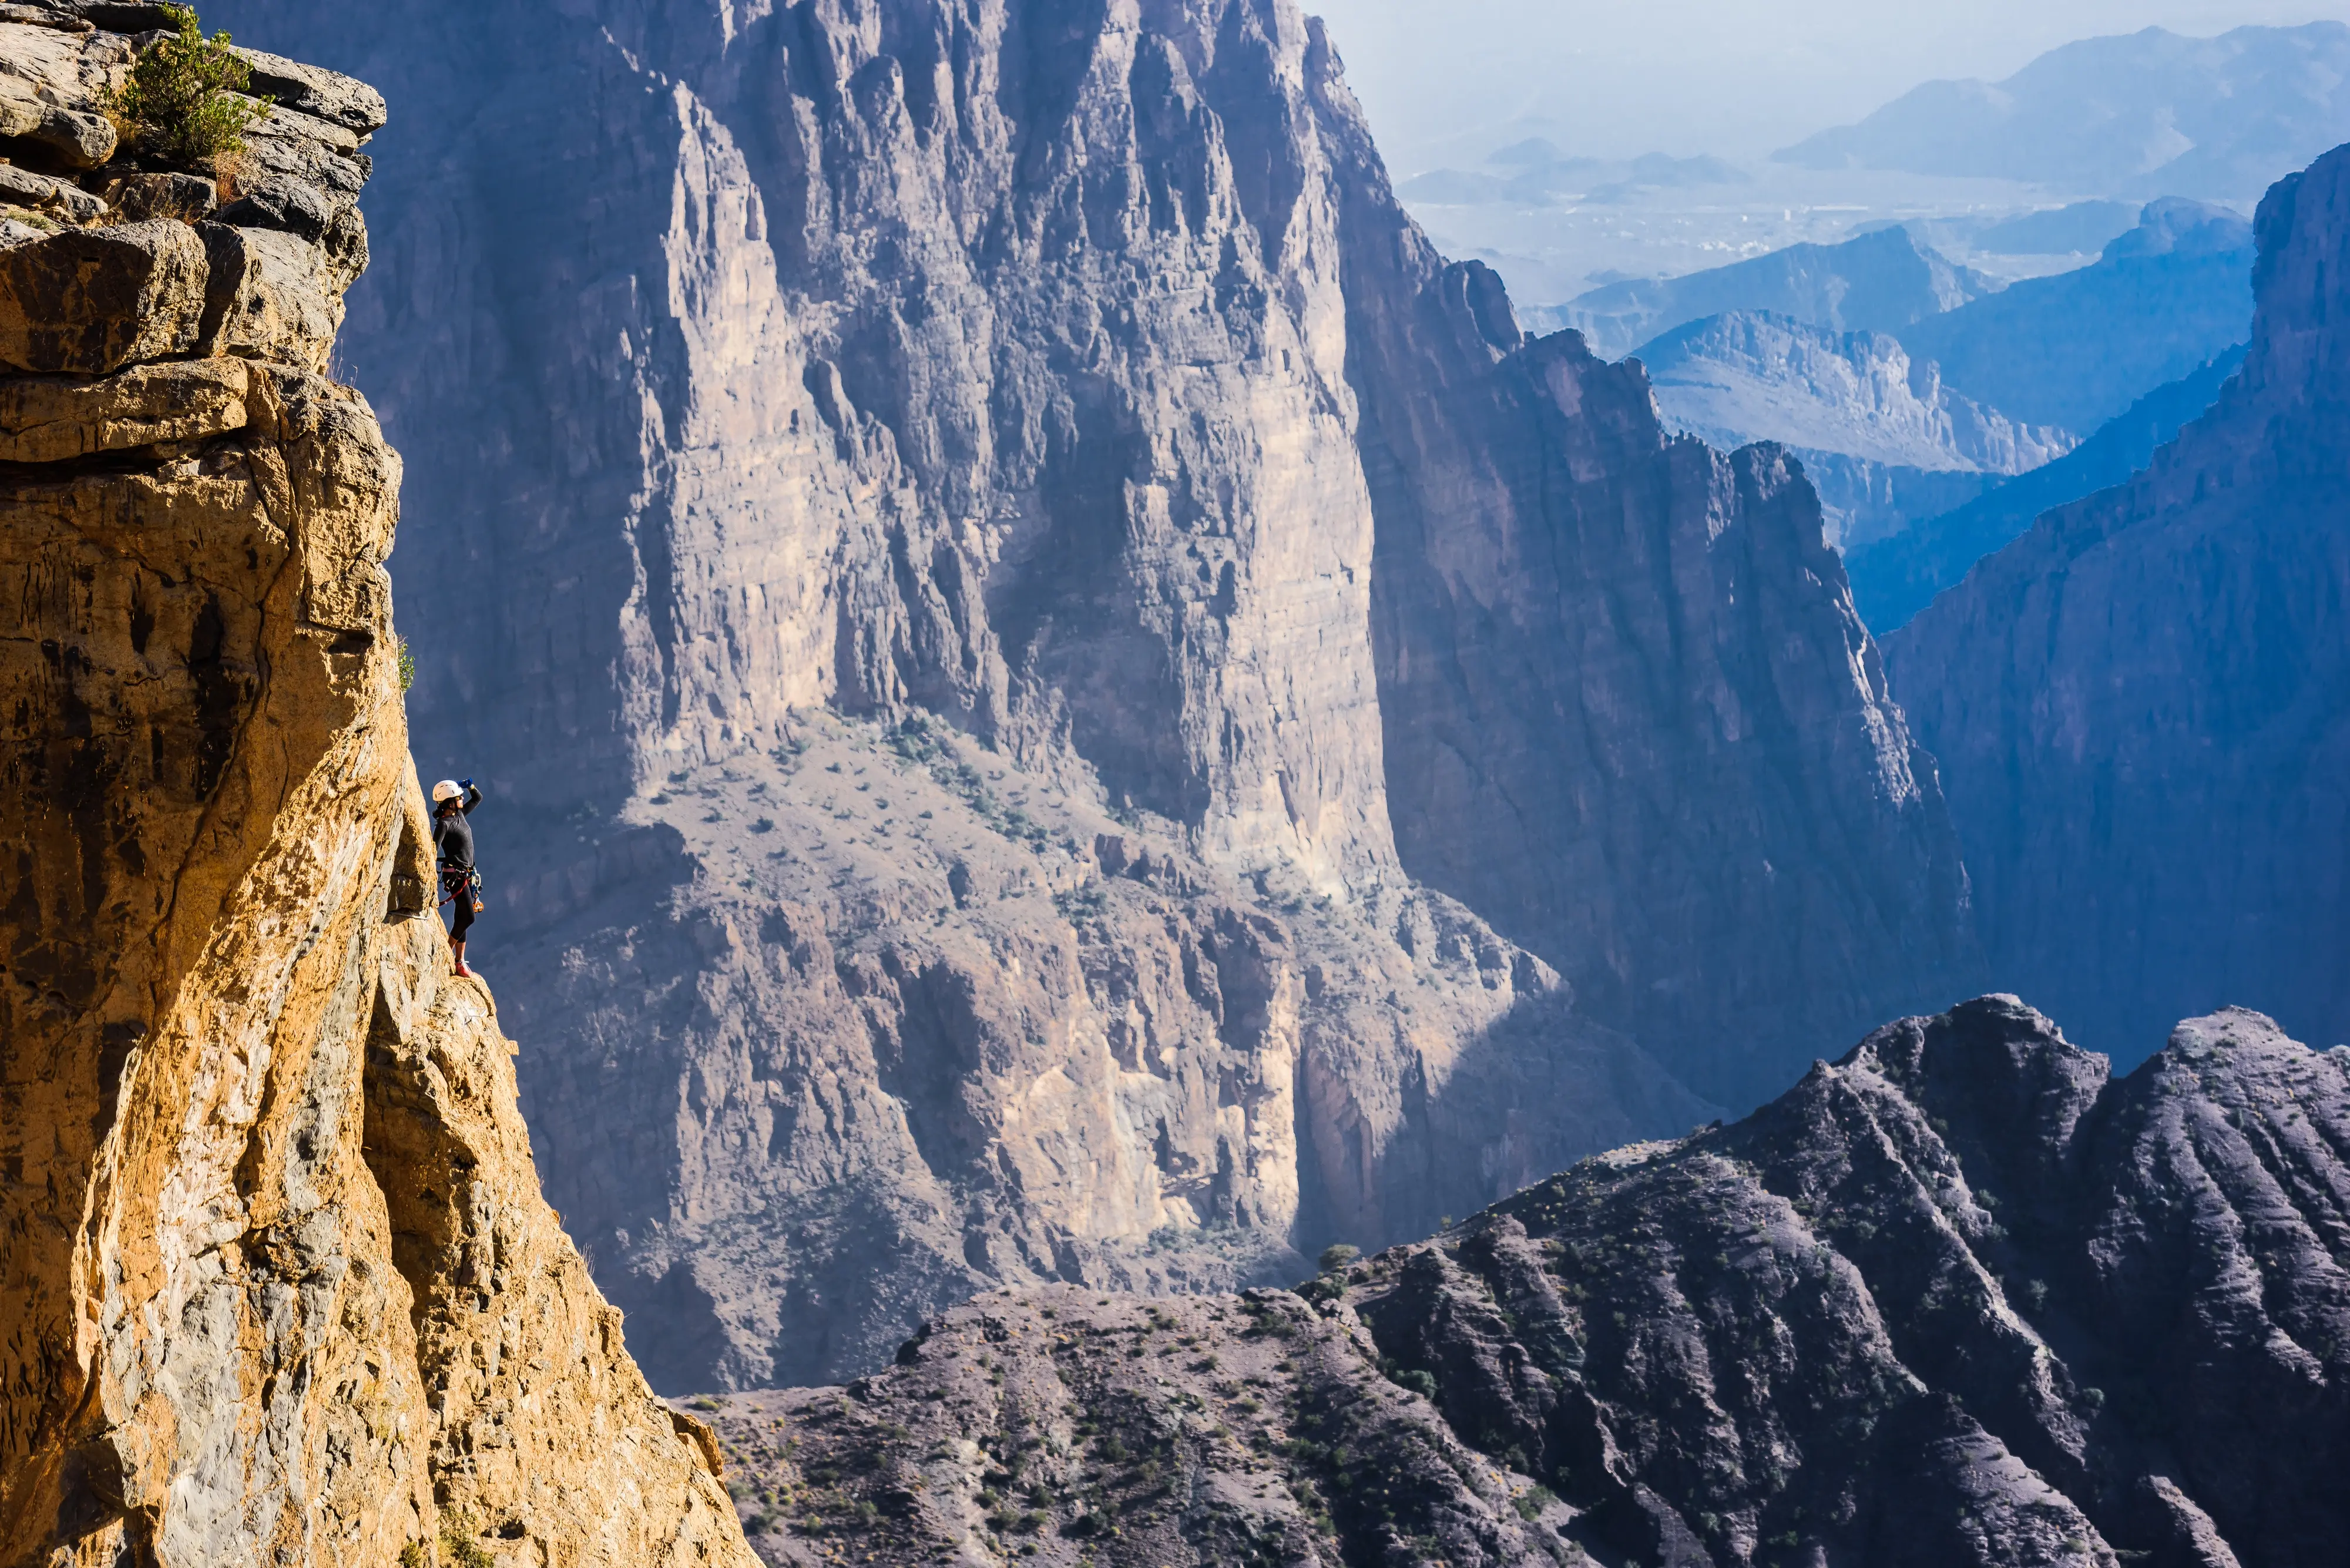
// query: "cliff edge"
[[277, 1279]]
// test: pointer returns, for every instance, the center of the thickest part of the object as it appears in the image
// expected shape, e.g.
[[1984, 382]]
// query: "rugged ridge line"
[[1963, 1297], [277, 1279]]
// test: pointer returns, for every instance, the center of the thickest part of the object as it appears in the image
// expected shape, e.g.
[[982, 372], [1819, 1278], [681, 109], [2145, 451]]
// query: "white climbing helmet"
[[445, 790]]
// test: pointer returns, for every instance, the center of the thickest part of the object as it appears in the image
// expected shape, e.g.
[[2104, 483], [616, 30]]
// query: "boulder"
[[273, 296], [28, 188], [277, 203], [326, 95], [42, 16], [50, 418], [301, 147], [122, 15], [190, 198], [80, 140], [90, 301]]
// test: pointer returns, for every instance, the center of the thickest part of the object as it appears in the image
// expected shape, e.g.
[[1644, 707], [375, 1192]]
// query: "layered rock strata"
[[785, 376], [1963, 1297], [2138, 703], [277, 1279]]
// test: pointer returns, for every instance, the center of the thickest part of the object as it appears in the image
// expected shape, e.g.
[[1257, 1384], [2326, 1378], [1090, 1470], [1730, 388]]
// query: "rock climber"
[[454, 801]]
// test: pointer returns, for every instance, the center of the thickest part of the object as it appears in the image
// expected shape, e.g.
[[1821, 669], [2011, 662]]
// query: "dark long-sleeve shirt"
[[452, 836]]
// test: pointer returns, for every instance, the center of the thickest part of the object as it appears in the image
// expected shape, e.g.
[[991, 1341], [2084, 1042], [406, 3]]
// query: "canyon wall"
[[277, 1279], [924, 519], [2138, 703]]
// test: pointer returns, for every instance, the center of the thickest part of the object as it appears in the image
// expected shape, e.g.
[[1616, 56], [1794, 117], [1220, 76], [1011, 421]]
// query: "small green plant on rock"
[[457, 1542], [183, 102]]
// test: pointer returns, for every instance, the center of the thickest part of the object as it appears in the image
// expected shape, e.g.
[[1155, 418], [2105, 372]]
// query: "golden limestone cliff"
[[277, 1279]]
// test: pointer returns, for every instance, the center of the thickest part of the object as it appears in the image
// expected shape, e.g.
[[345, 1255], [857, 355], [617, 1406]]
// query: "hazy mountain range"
[[1963, 384], [1879, 282], [2150, 114], [1071, 712], [2077, 349]]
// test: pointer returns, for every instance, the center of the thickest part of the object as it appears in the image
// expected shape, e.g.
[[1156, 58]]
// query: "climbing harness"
[[466, 882]]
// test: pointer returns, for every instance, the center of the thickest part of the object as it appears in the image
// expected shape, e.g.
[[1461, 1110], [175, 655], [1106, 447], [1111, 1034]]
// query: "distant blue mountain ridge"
[[1882, 438], [2148, 114], [1877, 282], [2078, 348], [1798, 347], [2079, 228]]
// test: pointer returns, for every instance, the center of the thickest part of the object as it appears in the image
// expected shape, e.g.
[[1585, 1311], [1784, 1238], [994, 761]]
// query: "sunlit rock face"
[[1318, 751], [276, 1279]]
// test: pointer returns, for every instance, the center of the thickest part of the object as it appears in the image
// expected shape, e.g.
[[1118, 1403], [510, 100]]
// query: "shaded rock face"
[[1631, 716], [1894, 579], [2137, 704], [1963, 1297], [277, 1280], [1004, 372]]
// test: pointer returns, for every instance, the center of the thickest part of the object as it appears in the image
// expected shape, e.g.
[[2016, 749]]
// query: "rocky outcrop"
[[780, 380], [2137, 704], [1878, 434], [277, 1280], [1963, 1297]]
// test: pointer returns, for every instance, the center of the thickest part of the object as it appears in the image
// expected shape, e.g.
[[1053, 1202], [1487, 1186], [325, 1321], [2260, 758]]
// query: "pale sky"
[[1737, 77]]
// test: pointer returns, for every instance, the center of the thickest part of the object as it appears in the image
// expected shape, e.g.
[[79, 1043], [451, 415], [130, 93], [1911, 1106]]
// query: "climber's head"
[[447, 795]]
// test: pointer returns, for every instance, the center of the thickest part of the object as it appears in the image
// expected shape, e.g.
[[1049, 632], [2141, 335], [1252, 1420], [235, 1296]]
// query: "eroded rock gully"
[[1963, 1297], [277, 1280], [1064, 379]]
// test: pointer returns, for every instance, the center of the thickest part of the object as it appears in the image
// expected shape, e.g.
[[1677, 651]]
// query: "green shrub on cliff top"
[[182, 103]]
